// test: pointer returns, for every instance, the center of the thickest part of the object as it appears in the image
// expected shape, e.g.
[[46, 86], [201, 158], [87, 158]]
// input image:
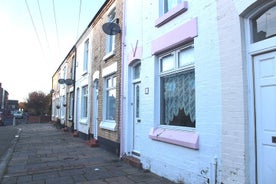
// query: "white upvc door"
[[265, 111]]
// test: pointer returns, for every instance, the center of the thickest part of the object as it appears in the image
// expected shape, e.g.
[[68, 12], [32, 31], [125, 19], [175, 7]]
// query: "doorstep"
[[133, 161]]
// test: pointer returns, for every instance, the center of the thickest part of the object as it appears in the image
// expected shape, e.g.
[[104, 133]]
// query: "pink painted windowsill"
[[179, 9], [177, 137]]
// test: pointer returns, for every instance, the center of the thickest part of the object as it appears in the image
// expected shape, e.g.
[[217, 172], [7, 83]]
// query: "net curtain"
[[179, 93]]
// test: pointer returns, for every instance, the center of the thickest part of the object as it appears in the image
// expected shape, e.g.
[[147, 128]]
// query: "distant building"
[[63, 91], [3, 99], [94, 64], [12, 106]]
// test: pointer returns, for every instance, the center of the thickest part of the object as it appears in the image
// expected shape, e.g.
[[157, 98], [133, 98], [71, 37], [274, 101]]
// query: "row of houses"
[[185, 87]]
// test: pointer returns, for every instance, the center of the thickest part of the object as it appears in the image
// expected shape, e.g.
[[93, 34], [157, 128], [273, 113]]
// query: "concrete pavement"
[[44, 154]]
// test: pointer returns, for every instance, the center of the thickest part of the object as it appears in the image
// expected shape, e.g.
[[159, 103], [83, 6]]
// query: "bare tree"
[[38, 103]]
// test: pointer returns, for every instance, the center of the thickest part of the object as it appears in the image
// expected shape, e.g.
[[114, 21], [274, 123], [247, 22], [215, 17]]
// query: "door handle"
[[273, 139]]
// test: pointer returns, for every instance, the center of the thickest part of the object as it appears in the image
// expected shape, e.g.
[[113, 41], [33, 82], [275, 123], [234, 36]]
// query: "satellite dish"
[[61, 81], [111, 28], [69, 82]]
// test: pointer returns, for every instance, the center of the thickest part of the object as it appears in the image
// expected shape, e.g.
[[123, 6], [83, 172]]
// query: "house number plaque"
[[274, 139]]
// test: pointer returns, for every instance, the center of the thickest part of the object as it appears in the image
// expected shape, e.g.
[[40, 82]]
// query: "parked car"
[[18, 114]]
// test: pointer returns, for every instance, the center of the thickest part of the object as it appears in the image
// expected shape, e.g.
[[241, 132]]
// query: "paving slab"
[[44, 154]]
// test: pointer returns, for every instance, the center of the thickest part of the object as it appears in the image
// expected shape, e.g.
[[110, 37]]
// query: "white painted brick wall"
[[175, 162], [233, 117], [82, 80]]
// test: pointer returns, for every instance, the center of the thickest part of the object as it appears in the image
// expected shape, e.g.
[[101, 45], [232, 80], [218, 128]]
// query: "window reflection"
[[264, 25], [110, 104], [137, 70]]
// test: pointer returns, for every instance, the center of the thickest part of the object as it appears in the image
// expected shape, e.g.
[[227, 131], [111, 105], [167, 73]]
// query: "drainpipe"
[[213, 173], [51, 92], [122, 142], [74, 90]]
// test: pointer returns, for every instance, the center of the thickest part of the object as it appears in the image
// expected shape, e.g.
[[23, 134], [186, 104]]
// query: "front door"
[[136, 120], [265, 109], [95, 110]]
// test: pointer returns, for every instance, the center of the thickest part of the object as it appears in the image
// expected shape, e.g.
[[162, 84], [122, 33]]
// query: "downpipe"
[[213, 173]]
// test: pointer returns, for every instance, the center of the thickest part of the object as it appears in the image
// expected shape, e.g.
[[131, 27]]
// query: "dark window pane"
[[264, 25], [137, 70], [178, 99], [137, 103]]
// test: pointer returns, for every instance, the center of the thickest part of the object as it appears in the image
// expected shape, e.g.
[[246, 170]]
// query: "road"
[[45, 154], [9, 121]]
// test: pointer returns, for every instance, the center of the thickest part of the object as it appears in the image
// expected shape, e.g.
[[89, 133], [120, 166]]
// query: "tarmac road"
[[43, 154], [7, 135]]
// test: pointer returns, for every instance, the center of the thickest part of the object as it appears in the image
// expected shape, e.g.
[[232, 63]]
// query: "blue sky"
[[33, 47]]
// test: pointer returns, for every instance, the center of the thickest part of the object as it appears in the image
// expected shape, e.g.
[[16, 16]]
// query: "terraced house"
[[93, 65], [197, 80], [186, 88], [106, 77], [63, 89]]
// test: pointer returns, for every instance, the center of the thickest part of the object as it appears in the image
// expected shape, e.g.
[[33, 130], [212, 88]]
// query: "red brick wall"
[[98, 64], [39, 119]]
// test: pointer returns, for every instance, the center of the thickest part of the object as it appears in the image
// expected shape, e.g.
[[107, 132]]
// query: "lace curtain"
[[179, 93]]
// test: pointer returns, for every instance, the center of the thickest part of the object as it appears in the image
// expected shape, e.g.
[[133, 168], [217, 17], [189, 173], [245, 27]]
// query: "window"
[[137, 101], [136, 72], [63, 106], [84, 102], [110, 101], [177, 88], [72, 71], [264, 25], [136, 82], [110, 39], [85, 57], [71, 105], [167, 5], [64, 72]]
